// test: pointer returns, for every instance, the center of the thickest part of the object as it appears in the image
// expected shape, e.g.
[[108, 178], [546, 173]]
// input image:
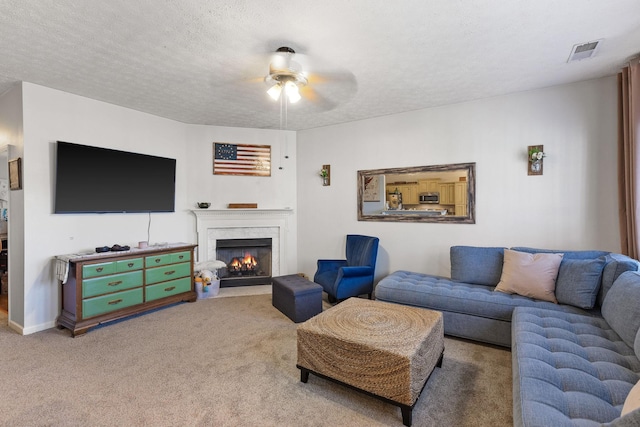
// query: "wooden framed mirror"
[[439, 193]]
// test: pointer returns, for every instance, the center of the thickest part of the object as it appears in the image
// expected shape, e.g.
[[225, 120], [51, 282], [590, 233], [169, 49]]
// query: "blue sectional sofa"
[[575, 361]]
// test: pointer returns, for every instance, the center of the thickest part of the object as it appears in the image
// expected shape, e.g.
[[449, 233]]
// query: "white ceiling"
[[202, 62]]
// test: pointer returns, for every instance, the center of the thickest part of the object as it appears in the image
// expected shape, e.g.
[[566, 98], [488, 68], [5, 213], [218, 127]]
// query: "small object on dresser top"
[[204, 205], [118, 248], [103, 249]]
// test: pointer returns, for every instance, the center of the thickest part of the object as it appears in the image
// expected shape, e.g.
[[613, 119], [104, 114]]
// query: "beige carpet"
[[223, 362]]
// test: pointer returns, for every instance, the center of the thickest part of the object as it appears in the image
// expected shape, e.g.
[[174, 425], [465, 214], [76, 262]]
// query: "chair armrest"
[[330, 265], [355, 271]]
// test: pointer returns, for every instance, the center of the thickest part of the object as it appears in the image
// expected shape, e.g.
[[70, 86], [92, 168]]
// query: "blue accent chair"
[[342, 279]]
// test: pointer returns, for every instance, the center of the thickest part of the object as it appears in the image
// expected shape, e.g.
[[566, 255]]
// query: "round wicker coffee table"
[[385, 350]]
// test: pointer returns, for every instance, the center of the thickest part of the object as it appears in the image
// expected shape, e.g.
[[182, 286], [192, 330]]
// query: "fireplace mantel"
[[236, 213], [278, 224]]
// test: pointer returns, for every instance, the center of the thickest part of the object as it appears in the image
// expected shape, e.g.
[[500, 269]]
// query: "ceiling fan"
[[286, 75], [289, 81]]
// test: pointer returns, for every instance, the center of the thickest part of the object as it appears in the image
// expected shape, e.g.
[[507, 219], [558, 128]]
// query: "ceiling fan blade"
[[317, 100]]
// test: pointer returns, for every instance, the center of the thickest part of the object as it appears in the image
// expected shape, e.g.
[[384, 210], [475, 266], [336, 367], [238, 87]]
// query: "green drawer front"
[[93, 270], [152, 261], [129, 265], [166, 289], [181, 256], [113, 283], [168, 272], [112, 302]]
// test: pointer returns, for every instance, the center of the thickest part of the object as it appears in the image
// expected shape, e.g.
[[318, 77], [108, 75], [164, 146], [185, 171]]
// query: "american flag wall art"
[[241, 159]]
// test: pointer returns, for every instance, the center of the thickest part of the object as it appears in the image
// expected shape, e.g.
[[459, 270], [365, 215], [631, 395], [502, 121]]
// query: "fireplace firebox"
[[248, 261]]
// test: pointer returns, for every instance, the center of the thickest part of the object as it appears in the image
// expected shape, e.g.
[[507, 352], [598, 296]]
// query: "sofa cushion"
[[569, 369], [474, 264], [621, 308], [616, 265], [579, 281], [530, 275], [443, 294]]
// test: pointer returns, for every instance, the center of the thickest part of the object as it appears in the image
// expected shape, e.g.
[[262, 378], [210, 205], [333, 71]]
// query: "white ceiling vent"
[[584, 50]]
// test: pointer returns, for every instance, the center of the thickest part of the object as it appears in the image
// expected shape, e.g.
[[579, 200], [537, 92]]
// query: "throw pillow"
[[477, 265], [530, 275], [579, 281], [632, 402]]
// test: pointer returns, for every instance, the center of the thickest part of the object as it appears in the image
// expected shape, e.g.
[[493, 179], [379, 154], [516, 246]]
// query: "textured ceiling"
[[202, 62]]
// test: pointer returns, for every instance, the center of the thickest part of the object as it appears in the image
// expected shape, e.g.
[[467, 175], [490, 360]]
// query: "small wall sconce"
[[325, 174], [536, 158]]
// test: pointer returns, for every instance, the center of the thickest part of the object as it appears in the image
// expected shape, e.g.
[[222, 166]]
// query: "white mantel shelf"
[[212, 224], [236, 212]]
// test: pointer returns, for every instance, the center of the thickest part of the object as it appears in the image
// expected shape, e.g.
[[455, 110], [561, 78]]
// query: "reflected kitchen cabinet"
[[447, 193], [408, 190], [460, 197], [428, 186]]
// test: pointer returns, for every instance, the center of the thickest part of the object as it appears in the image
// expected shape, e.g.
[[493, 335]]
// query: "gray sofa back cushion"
[[579, 281], [616, 265], [621, 309], [476, 265]]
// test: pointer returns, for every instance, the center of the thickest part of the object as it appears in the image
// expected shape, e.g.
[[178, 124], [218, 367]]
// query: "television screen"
[[101, 180]]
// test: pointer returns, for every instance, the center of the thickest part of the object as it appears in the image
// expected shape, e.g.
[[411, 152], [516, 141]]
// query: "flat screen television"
[[101, 180]]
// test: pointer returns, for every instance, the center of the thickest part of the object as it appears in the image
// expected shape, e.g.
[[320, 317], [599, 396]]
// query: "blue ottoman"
[[296, 297]]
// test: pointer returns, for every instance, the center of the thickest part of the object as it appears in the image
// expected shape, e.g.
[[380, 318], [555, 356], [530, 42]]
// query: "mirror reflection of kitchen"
[[436, 193]]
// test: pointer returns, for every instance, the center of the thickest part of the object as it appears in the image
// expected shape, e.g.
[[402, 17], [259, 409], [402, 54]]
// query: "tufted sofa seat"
[[470, 307], [569, 369], [469, 310]]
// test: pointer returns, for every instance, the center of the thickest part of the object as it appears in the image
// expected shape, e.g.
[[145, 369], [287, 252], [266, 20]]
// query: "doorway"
[[4, 229]]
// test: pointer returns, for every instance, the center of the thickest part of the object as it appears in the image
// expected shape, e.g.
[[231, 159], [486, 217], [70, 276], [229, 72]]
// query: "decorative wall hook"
[[325, 174], [536, 158]]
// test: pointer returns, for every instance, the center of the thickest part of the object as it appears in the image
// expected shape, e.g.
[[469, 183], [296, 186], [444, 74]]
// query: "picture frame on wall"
[[371, 191], [15, 174]]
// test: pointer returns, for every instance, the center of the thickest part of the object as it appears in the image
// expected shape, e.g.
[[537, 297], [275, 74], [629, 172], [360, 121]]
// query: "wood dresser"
[[102, 287]]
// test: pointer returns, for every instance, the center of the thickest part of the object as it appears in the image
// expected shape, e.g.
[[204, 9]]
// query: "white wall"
[[572, 206], [51, 115]]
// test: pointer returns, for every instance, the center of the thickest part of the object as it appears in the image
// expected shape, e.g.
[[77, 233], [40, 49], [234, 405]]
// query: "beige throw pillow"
[[530, 275], [632, 402]]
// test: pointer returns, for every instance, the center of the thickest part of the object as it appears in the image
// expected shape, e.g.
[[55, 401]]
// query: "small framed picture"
[[15, 174]]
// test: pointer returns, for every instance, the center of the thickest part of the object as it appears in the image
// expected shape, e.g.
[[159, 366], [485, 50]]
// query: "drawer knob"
[[115, 301], [114, 283], [169, 289], [130, 265], [158, 260], [99, 269], [169, 273], [181, 256]]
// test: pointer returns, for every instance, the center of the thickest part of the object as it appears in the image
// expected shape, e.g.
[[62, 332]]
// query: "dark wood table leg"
[[304, 375], [407, 415]]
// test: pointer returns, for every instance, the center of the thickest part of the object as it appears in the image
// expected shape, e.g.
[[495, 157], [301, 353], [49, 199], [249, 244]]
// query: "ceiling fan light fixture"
[[291, 89], [274, 91]]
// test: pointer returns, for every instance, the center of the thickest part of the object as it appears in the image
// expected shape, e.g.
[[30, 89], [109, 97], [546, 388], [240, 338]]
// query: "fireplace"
[[248, 261], [277, 224]]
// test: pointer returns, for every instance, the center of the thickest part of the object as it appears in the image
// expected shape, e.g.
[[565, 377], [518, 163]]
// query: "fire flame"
[[249, 262]]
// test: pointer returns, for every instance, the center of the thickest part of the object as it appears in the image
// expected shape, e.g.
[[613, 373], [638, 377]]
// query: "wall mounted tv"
[[101, 180]]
